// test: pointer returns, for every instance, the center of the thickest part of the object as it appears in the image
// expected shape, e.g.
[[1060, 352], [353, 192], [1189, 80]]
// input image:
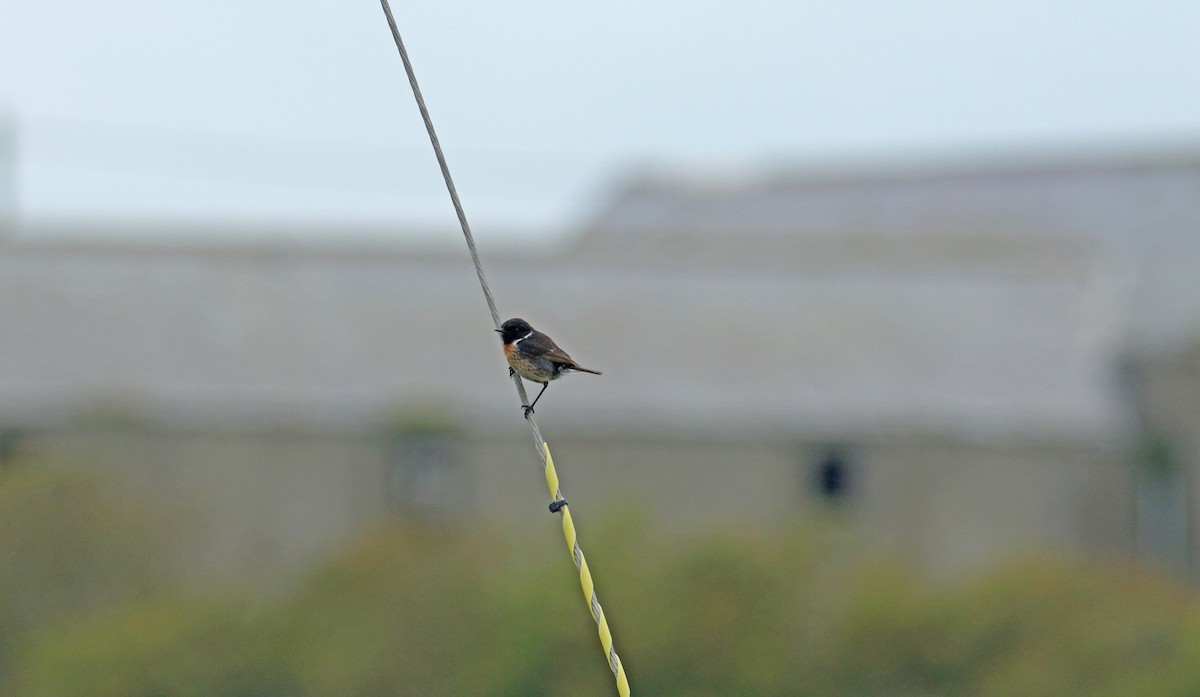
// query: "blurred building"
[[958, 364]]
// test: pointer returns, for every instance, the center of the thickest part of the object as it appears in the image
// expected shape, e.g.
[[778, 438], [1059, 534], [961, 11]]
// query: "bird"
[[535, 357]]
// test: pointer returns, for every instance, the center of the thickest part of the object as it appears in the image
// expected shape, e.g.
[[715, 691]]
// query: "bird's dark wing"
[[541, 346]]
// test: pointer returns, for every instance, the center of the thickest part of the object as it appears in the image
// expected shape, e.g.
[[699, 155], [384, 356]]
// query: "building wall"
[[279, 502], [241, 503], [954, 507]]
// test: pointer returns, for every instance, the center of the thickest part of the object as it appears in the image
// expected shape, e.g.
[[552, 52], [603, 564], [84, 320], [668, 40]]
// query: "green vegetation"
[[68, 547], [85, 609]]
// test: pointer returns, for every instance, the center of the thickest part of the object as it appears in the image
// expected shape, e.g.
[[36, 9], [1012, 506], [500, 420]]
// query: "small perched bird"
[[534, 356]]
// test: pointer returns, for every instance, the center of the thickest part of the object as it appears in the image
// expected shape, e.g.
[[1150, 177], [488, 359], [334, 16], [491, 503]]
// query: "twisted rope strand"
[[543, 450]]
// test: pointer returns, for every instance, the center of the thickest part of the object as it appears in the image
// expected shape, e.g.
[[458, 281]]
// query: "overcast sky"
[[272, 111]]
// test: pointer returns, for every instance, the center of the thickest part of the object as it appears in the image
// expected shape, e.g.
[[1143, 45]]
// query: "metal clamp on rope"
[[558, 505]]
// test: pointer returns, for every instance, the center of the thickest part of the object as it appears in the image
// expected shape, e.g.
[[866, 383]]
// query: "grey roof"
[[1142, 201], [1137, 213]]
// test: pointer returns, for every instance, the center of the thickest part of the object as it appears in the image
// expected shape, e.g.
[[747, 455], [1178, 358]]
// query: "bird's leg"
[[529, 409]]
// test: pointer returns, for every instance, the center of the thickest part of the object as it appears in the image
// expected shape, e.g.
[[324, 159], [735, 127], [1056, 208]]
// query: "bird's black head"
[[514, 329]]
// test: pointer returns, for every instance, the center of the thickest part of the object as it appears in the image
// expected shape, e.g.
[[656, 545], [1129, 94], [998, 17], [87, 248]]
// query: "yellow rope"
[[585, 577]]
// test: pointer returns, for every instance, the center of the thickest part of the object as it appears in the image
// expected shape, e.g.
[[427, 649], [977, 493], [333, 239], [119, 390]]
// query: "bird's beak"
[[498, 331]]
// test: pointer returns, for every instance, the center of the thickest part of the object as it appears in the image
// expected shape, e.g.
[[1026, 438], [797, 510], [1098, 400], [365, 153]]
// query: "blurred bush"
[[69, 546], [1035, 627], [408, 611], [178, 647], [416, 609]]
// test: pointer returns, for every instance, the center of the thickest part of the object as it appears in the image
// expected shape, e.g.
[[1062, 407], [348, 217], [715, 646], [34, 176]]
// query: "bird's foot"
[[528, 410], [511, 372]]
